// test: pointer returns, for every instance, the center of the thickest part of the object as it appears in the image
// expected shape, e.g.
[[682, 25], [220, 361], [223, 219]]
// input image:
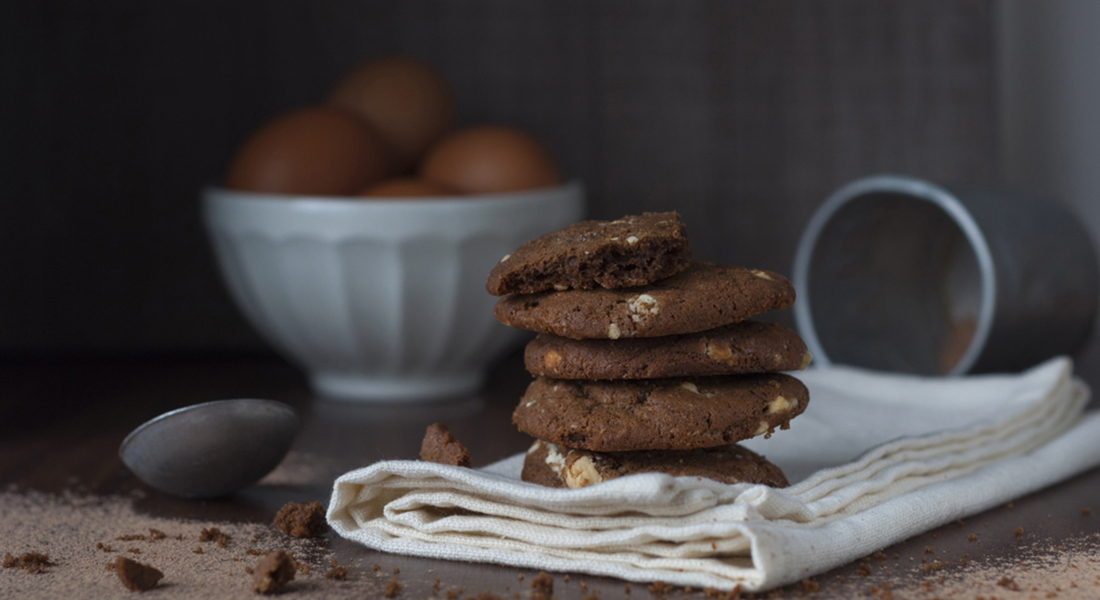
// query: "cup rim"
[[917, 189]]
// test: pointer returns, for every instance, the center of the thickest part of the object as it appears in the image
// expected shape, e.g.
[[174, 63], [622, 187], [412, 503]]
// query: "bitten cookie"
[[704, 296], [632, 251], [658, 414], [552, 465], [746, 347]]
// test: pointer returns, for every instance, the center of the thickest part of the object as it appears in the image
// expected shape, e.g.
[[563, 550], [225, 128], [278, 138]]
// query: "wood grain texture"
[[743, 116]]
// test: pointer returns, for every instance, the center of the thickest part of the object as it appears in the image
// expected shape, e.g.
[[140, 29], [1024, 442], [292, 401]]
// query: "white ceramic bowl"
[[379, 299]]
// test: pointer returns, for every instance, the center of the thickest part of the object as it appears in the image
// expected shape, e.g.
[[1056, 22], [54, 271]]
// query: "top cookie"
[[703, 296], [629, 252]]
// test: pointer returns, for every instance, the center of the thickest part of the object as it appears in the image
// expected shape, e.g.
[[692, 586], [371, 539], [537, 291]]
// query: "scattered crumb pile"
[[31, 562], [74, 547], [302, 520]]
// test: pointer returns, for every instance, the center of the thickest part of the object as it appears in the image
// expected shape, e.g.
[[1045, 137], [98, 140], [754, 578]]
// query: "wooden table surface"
[[61, 422]]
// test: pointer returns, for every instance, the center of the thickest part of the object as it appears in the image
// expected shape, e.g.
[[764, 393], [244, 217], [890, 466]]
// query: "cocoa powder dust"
[[80, 534]]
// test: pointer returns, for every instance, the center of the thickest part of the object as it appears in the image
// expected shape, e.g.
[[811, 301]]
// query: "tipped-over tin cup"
[[899, 274]]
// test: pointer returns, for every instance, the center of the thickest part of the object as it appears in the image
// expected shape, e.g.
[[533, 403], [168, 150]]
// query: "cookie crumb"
[[31, 562], [197, 550], [213, 534], [1085, 511], [660, 589], [810, 586], [1019, 532], [440, 446], [272, 572], [543, 586], [337, 573], [392, 588], [156, 535], [302, 520], [135, 576], [1009, 584], [972, 537], [717, 594], [103, 547]]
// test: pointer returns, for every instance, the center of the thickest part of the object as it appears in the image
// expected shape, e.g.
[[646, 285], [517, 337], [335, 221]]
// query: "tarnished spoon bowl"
[[211, 449]]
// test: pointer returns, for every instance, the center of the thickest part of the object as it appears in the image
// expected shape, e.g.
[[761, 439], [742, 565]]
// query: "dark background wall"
[[743, 116]]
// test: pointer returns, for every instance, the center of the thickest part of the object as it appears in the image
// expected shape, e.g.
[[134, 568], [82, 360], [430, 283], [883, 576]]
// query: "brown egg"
[[407, 187], [317, 151], [489, 159], [406, 100]]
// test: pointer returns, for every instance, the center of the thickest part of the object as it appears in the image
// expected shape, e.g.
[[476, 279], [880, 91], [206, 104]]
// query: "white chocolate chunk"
[[613, 331], [506, 257], [807, 358], [719, 350], [642, 306], [554, 459], [582, 473], [780, 404], [552, 359], [689, 386], [761, 274]]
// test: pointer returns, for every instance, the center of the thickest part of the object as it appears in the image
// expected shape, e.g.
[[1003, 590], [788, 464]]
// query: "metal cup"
[[899, 274]]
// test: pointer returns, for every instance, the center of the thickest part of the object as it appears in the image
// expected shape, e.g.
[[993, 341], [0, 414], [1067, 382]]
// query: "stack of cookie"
[[645, 360]]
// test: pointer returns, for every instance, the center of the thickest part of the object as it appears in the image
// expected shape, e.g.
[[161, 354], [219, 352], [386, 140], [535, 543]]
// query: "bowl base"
[[352, 387]]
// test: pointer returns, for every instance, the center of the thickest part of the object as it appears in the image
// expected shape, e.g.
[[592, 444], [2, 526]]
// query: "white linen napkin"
[[876, 458]]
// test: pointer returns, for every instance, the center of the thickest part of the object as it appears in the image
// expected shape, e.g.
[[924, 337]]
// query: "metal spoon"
[[211, 449]]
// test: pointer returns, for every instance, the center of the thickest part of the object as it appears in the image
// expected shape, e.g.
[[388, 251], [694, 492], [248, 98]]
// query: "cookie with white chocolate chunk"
[[628, 252], [552, 465], [659, 414], [703, 296], [746, 347]]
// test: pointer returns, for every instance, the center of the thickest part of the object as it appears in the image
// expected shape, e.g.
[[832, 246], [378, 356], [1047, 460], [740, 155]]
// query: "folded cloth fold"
[[875, 459]]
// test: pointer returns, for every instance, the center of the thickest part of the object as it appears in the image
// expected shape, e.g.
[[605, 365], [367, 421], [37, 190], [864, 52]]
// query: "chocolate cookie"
[[552, 465], [704, 296], [629, 252], [746, 347], [658, 414]]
